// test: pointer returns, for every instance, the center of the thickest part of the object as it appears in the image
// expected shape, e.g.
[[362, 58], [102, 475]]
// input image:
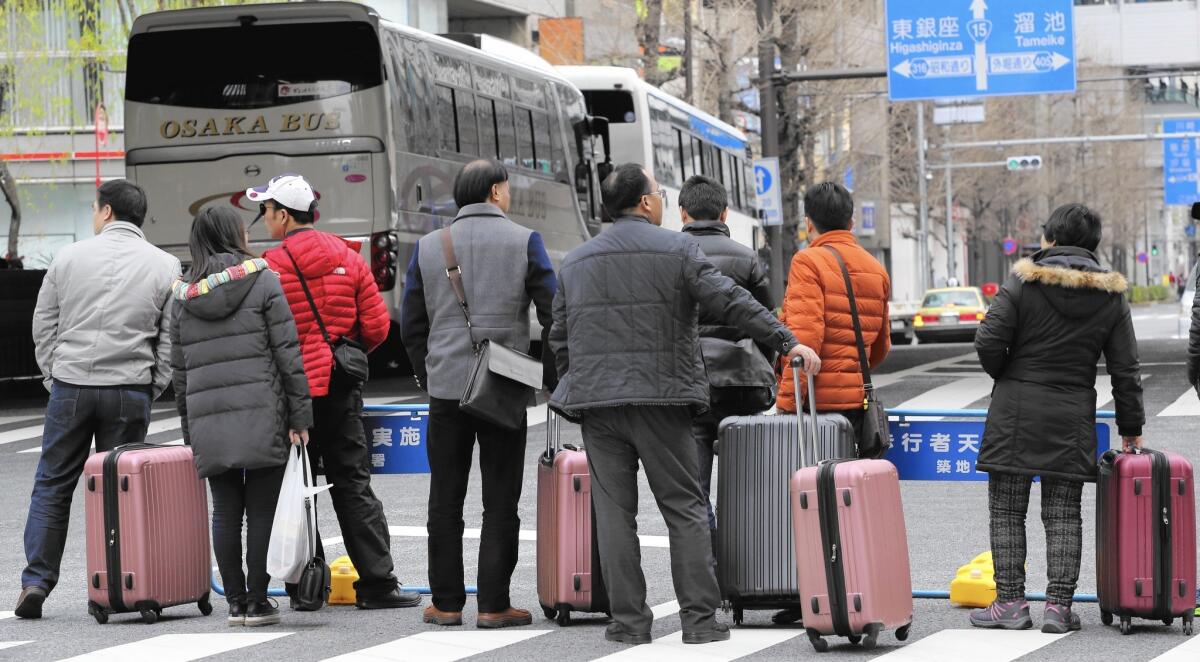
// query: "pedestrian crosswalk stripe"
[[1104, 390], [34, 432], [974, 645], [958, 394], [12, 644], [1188, 404], [889, 378], [25, 418], [665, 609], [526, 535], [177, 647], [670, 648], [92, 448], [1189, 651], [440, 646], [6, 614]]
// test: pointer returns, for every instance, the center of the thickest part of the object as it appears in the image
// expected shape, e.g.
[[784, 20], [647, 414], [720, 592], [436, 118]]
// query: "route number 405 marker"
[[970, 48]]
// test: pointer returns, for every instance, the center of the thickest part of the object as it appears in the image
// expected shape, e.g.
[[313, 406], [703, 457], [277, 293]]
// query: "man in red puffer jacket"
[[344, 292]]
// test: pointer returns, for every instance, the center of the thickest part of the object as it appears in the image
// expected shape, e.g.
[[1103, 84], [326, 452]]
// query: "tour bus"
[[674, 139], [379, 117]]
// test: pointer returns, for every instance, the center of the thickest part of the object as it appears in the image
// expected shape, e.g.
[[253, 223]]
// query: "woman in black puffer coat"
[[1041, 341], [242, 397]]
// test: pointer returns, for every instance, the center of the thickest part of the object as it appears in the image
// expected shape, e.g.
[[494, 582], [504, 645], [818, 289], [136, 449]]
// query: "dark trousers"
[[1008, 503], [661, 437], [452, 436], [74, 415], [338, 446], [252, 494], [704, 431]]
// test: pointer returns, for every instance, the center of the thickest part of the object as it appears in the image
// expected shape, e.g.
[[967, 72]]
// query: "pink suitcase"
[[147, 532], [568, 563], [1146, 538], [851, 550]]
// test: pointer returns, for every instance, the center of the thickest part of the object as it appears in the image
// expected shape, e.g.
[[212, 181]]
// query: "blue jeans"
[[74, 415]]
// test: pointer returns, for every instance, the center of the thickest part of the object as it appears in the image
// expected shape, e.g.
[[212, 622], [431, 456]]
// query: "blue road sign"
[[397, 442], [973, 48], [948, 450], [766, 185], [1181, 181]]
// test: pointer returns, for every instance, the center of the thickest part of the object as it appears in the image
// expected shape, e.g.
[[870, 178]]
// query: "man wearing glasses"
[[627, 351], [323, 274]]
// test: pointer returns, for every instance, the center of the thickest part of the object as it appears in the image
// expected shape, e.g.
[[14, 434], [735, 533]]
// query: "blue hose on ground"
[[1032, 597], [280, 593]]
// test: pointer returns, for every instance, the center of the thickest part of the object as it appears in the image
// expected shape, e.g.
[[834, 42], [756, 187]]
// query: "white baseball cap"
[[289, 190]]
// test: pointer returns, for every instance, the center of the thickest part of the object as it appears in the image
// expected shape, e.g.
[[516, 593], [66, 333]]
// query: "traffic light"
[[1024, 163], [1154, 250]]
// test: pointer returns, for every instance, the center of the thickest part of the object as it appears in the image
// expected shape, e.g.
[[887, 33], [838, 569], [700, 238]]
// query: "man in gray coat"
[[628, 354], [101, 331], [503, 267]]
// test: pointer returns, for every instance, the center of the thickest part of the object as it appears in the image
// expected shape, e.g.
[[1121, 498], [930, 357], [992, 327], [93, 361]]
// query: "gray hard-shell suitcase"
[[756, 557]]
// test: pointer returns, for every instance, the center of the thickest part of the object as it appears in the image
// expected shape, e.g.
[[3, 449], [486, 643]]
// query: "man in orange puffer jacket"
[[817, 310]]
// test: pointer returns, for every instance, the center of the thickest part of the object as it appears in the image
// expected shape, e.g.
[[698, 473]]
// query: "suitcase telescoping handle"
[[797, 363], [553, 439]]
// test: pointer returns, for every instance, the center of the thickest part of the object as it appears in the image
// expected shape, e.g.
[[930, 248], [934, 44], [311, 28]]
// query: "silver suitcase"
[[756, 557]]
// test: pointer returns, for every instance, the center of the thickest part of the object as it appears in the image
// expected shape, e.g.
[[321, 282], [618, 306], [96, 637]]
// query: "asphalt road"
[[947, 526]]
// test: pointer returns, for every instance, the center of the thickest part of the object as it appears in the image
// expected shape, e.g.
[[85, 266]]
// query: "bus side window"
[[541, 143], [506, 135], [468, 135], [424, 130], [525, 137], [448, 118], [486, 110], [401, 100], [685, 155], [697, 157]]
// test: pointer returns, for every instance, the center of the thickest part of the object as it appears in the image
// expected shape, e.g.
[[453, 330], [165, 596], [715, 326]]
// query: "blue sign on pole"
[[948, 450], [397, 442], [1181, 183], [973, 48]]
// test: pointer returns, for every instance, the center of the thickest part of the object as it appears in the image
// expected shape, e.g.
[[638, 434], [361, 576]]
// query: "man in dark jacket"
[[503, 267], [627, 350], [741, 380], [1041, 341], [345, 296]]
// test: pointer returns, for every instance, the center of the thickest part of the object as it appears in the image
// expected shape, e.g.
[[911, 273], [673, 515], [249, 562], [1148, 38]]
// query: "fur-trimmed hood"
[[1075, 283]]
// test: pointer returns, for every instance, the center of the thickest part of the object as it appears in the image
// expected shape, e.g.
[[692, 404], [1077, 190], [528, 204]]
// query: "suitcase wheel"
[[855, 639], [1106, 617], [149, 616], [871, 636], [98, 613], [1168, 622], [564, 617], [818, 643], [205, 606], [1187, 624], [902, 632], [1126, 625], [549, 612]]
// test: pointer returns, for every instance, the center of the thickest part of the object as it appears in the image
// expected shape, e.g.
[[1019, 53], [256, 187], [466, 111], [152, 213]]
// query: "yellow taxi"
[[949, 313]]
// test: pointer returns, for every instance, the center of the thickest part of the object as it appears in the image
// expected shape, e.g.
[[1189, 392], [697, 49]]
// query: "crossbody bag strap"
[[858, 336], [454, 273], [311, 304]]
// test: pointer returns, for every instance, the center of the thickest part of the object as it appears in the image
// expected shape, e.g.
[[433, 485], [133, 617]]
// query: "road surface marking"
[[12, 644], [670, 648], [6, 614], [665, 609], [892, 377], [34, 432], [1188, 651], [975, 645], [526, 535], [957, 394], [1188, 404], [440, 646], [177, 647], [92, 448]]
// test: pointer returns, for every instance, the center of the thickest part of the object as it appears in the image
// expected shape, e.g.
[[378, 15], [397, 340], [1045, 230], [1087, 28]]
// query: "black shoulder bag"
[[875, 440], [349, 357], [501, 380]]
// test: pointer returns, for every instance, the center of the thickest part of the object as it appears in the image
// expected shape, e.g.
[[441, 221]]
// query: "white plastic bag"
[[294, 531]]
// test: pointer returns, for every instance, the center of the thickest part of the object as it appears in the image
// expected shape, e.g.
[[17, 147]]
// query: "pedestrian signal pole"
[[770, 132]]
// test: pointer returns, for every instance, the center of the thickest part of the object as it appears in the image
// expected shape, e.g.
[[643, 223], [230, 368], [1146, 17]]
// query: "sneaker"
[[718, 632], [788, 616], [1059, 619], [237, 613], [435, 616], [262, 612], [396, 599], [1003, 615], [617, 634], [29, 604], [511, 617]]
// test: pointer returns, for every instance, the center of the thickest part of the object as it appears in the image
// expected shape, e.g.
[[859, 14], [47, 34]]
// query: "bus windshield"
[[253, 67]]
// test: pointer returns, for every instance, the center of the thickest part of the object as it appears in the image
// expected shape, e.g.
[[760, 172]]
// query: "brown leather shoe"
[[438, 617], [511, 617]]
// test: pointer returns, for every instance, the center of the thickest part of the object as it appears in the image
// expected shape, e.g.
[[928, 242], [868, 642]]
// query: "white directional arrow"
[[945, 66], [1029, 62], [979, 12]]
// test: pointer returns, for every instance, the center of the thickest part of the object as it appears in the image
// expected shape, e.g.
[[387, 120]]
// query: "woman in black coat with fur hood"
[[1041, 341]]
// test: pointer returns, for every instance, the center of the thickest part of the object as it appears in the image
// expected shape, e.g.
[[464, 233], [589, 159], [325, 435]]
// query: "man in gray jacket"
[[503, 267], [628, 354], [101, 331]]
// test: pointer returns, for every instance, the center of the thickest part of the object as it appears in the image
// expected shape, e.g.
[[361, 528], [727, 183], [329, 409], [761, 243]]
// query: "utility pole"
[[765, 10], [687, 51], [950, 266], [923, 261]]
